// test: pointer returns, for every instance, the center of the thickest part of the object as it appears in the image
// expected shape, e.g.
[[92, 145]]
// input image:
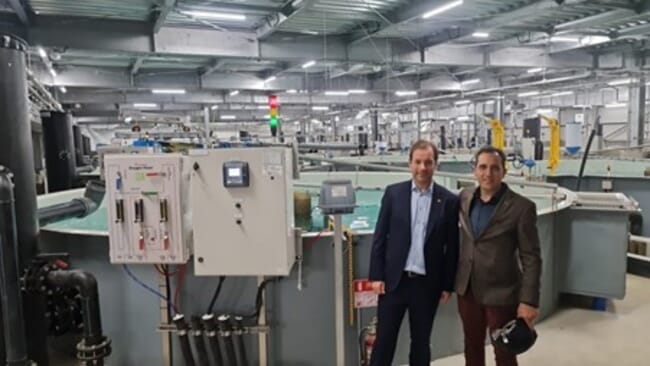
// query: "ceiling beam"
[[161, 12], [598, 19], [22, 10], [273, 22], [135, 67], [214, 66]]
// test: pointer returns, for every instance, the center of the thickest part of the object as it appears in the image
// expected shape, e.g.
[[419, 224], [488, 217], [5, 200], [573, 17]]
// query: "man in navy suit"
[[414, 257]]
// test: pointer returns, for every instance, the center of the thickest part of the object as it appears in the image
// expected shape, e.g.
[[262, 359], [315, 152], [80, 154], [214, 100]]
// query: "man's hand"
[[528, 313], [378, 287], [444, 297]]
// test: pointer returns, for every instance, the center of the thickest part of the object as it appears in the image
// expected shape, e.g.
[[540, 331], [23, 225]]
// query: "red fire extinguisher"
[[369, 335]]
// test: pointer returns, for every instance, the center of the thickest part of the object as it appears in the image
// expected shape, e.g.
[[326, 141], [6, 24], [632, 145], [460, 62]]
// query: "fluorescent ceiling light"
[[564, 39], [310, 32], [215, 15], [292, 91], [620, 82], [463, 118], [481, 34], [462, 102], [145, 105], [41, 52], [357, 91], [128, 119], [559, 94], [214, 107], [308, 64], [227, 117], [405, 93], [528, 94], [267, 116], [263, 107], [234, 92], [535, 70], [544, 111], [591, 40], [270, 79], [336, 93], [615, 105], [63, 89], [470, 82], [168, 91], [442, 9], [320, 108], [488, 102], [52, 72]]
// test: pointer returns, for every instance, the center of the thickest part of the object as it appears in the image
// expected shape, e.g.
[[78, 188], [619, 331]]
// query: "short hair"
[[491, 150], [423, 144]]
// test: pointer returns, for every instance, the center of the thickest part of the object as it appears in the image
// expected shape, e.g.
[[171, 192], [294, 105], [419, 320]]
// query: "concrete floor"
[[577, 337]]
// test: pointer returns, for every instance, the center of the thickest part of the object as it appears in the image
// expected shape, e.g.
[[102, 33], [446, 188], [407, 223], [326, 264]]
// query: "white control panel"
[[146, 217], [242, 211]]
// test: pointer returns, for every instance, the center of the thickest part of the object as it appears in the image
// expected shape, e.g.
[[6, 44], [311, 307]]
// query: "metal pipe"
[[183, 340], [238, 340], [199, 343], [229, 357], [17, 154], [501, 88], [338, 292], [212, 333], [10, 294], [380, 167], [94, 346]]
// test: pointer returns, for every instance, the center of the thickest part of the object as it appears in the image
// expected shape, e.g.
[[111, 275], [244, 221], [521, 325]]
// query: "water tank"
[[572, 137]]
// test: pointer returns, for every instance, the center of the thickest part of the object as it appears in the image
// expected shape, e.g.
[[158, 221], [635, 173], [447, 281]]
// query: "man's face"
[[422, 166], [489, 171]]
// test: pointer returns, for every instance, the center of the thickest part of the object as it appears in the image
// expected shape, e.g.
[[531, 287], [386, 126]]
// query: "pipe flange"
[[9, 41], [93, 352]]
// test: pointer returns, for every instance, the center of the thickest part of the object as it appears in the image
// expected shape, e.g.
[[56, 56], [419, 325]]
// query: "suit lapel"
[[466, 202], [434, 211], [408, 193]]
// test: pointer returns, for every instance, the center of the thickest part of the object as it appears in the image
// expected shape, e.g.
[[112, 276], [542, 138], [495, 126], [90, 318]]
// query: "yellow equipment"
[[498, 134], [554, 156]]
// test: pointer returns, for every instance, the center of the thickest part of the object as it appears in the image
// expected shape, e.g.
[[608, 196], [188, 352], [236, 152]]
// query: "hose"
[[238, 340], [586, 154], [226, 336], [199, 343], [212, 333]]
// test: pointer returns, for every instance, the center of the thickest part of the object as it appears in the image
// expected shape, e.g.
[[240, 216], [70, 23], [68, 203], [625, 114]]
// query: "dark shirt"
[[481, 212]]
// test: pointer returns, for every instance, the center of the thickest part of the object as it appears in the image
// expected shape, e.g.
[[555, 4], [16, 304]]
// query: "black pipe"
[[17, 154], [11, 300], [78, 146], [199, 343], [77, 207], [586, 153], [238, 340], [60, 161], [212, 333], [183, 340], [94, 346], [226, 337]]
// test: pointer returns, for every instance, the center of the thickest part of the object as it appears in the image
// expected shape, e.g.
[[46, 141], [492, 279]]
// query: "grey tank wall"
[[302, 322], [637, 188]]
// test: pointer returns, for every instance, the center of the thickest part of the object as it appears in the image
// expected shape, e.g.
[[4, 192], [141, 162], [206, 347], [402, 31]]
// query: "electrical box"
[[147, 219], [337, 197], [242, 226]]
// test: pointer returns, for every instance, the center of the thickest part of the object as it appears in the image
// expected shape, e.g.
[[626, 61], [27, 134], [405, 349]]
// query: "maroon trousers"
[[476, 319]]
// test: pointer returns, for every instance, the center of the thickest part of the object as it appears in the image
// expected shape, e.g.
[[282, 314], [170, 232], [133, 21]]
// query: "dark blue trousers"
[[421, 300]]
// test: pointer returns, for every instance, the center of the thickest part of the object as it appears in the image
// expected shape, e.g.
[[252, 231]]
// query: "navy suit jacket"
[[392, 239]]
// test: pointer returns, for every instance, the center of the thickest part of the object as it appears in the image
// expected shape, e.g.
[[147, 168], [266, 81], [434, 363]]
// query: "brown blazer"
[[503, 264]]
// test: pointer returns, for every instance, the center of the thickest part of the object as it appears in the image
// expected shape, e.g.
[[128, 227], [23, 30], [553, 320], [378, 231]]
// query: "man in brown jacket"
[[499, 267]]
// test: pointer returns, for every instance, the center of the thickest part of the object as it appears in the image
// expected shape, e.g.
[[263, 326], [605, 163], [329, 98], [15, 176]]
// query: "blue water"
[[363, 218]]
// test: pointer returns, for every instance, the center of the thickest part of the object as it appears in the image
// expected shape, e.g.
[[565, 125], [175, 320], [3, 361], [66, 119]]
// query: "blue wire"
[[134, 278]]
